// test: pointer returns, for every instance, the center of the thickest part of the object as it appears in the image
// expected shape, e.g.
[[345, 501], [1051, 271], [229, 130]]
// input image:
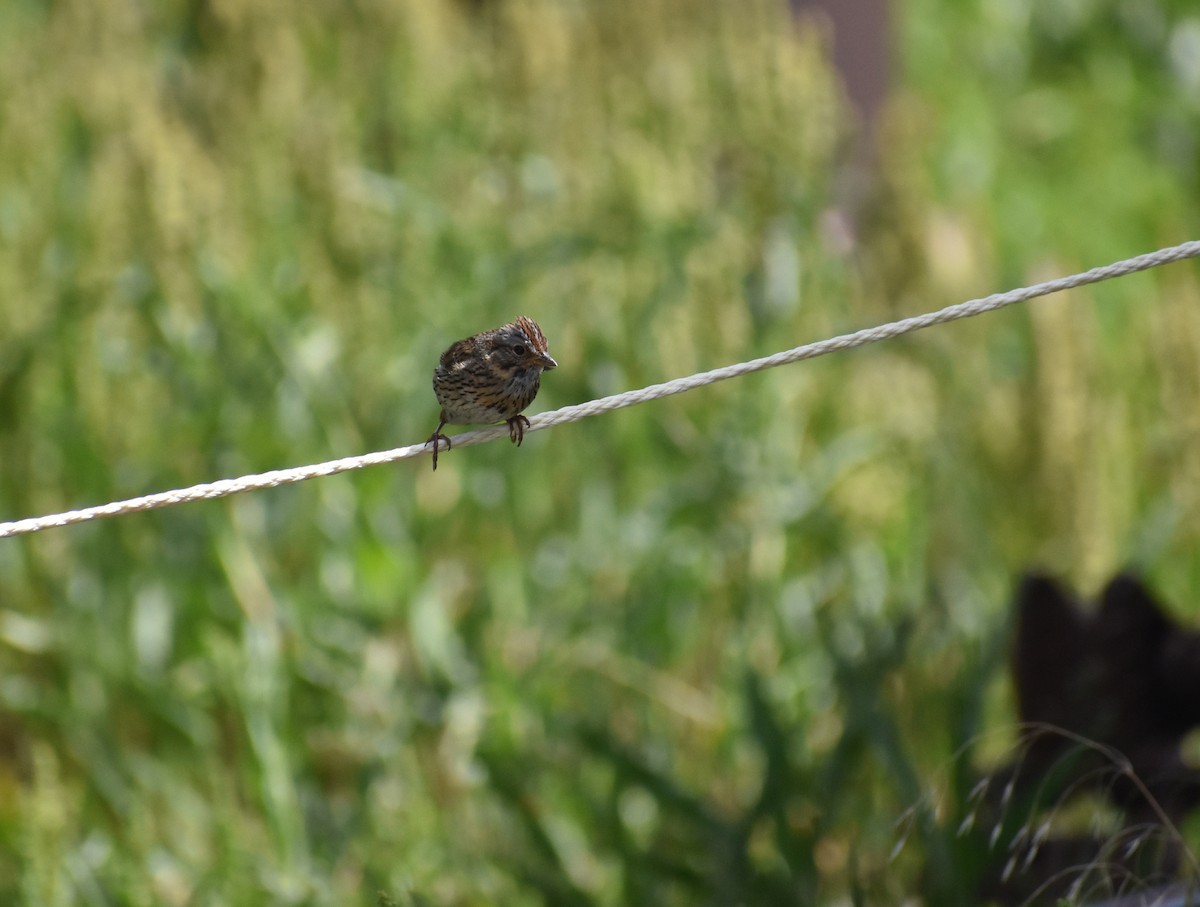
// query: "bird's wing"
[[459, 353]]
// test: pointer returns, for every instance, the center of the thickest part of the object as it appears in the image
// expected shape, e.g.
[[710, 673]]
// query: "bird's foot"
[[435, 439], [516, 429]]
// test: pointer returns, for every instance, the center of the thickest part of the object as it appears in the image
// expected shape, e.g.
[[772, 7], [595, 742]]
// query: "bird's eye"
[[519, 349]]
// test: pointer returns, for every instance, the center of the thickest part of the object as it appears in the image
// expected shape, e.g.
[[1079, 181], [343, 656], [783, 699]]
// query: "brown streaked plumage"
[[491, 377]]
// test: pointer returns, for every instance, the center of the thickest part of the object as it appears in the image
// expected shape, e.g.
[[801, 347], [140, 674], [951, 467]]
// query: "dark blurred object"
[[860, 42], [861, 39], [1127, 677], [1105, 699]]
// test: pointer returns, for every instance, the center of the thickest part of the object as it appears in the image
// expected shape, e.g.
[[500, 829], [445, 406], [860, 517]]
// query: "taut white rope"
[[226, 487]]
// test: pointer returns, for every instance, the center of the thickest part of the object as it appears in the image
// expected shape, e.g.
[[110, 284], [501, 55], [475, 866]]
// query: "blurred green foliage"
[[709, 650]]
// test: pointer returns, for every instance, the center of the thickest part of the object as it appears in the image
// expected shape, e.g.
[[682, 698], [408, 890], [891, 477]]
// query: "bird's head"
[[521, 345]]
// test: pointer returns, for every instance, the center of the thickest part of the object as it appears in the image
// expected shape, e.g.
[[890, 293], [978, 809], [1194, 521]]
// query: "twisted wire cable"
[[226, 487]]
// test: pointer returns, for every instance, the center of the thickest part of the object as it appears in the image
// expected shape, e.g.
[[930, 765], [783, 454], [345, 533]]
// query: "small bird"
[[489, 377]]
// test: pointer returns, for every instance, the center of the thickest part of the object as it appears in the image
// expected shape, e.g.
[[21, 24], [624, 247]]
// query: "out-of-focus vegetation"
[[708, 650]]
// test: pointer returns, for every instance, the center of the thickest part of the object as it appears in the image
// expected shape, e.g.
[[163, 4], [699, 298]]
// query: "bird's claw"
[[516, 429], [434, 439]]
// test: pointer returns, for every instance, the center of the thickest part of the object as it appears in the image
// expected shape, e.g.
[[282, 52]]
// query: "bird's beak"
[[546, 361]]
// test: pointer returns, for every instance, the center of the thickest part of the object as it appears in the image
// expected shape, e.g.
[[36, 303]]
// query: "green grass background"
[[709, 650]]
